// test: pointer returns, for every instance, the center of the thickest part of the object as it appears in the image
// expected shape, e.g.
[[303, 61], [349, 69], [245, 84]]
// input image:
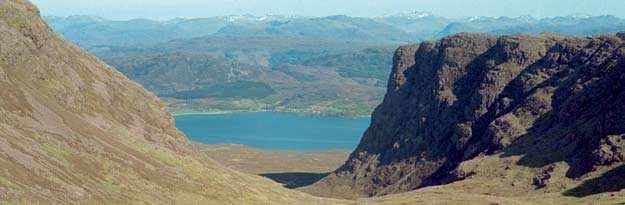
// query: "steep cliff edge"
[[75, 131], [546, 99]]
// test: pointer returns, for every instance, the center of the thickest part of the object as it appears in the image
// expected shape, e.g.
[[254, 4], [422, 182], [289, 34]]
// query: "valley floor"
[[490, 184], [292, 169]]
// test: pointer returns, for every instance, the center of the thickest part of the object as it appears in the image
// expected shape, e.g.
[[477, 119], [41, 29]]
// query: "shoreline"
[[235, 145], [212, 112], [309, 114]]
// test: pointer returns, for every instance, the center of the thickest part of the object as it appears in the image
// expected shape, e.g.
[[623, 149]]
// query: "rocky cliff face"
[[547, 98], [75, 131]]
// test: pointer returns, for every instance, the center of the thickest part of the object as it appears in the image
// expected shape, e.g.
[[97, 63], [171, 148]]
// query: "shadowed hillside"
[[538, 101]]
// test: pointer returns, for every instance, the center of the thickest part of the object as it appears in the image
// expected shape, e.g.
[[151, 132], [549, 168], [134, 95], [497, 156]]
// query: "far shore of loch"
[[176, 114], [223, 112]]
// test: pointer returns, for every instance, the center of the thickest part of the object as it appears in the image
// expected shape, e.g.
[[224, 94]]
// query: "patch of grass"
[[56, 151], [12, 19], [7, 183], [111, 186], [188, 164]]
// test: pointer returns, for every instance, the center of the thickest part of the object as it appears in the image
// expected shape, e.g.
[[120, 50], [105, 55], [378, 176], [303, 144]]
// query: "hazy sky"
[[166, 9]]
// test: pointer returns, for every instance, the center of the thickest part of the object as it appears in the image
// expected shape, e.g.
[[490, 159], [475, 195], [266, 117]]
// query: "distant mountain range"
[[408, 27], [334, 65]]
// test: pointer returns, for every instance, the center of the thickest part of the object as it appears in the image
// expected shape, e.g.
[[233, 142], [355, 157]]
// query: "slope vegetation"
[[75, 131]]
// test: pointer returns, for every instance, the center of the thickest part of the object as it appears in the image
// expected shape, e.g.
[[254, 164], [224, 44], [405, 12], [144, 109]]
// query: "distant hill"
[[298, 75], [300, 64], [342, 28], [568, 25], [90, 31]]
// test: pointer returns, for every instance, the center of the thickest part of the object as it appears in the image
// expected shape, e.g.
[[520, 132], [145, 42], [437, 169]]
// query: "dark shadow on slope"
[[578, 121], [611, 181], [294, 180], [541, 147], [467, 89], [568, 127]]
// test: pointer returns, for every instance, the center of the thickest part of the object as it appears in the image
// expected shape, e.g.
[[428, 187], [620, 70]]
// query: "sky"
[[168, 9]]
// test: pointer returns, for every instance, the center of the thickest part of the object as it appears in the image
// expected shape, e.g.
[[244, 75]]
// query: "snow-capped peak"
[[410, 15], [476, 18], [580, 15], [249, 18]]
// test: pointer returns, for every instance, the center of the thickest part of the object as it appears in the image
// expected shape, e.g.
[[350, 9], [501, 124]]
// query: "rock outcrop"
[[547, 98]]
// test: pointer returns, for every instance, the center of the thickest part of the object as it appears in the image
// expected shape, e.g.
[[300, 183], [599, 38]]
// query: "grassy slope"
[[76, 131], [498, 180]]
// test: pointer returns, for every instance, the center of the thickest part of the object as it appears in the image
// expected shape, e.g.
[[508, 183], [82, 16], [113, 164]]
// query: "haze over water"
[[275, 131]]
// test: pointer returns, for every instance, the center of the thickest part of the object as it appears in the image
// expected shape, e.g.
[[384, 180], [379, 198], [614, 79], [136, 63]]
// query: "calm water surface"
[[278, 131]]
